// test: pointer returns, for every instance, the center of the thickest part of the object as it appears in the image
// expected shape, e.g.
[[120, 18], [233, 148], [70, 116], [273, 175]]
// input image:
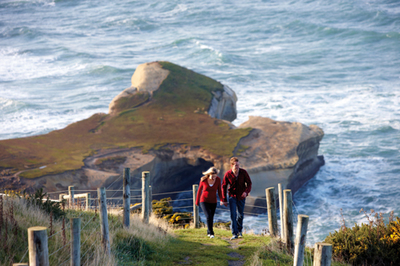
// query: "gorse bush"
[[42, 200], [375, 243], [163, 209]]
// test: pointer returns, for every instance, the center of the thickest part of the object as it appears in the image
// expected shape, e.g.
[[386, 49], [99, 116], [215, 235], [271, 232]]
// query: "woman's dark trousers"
[[209, 211]]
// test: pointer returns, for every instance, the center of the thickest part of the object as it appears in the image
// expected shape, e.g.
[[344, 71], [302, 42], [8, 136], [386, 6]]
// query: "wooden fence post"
[[301, 236], [105, 234], [61, 197], [196, 218], [151, 199], [145, 196], [126, 198], [288, 219], [88, 202], [71, 193], [75, 242], [281, 210], [38, 246], [322, 254], [271, 205]]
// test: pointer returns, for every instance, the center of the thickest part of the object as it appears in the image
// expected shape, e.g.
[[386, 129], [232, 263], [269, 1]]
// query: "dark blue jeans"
[[236, 217], [209, 211]]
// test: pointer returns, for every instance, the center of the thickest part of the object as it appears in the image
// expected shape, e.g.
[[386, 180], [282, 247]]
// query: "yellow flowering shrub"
[[375, 243]]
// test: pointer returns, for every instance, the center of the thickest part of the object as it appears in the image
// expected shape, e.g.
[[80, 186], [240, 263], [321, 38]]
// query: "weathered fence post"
[[150, 199], [281, 210], [196, 218], [271, 205], [71, 193], [145, 196], [301, 236], [105, 234], [288, 219], [126, 198], [322, 254], [38, 246], [88, 202], [75, 242]]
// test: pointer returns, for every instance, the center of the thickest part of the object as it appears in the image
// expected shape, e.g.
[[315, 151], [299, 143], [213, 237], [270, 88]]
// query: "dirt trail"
[[234, 244]]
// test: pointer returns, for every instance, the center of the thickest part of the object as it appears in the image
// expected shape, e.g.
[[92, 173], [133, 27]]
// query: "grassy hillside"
[[155, 243], [174, 115]]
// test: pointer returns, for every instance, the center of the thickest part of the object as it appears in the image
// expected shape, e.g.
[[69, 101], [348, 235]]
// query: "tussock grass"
[[155, 243]]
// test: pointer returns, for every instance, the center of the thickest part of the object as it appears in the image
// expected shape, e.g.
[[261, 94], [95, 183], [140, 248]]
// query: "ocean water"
[[335, 64]]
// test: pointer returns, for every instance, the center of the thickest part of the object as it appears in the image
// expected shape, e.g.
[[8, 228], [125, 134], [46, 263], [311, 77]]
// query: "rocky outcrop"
[[223, 104], [149, 76], [280, 152], [171, 122]]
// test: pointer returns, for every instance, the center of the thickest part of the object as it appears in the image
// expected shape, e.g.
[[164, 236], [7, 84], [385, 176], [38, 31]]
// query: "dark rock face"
[[223, 105]]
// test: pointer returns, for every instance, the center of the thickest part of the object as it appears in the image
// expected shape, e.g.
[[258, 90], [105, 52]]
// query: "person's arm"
[[199, 193], [219, 190], [224, 187], [248, 182]]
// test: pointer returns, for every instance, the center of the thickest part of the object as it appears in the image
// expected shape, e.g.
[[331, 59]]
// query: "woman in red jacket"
[[209, 185]]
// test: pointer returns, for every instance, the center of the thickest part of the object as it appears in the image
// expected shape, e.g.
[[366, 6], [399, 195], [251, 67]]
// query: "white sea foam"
[[209, 48], [29, 122], [16, 65]]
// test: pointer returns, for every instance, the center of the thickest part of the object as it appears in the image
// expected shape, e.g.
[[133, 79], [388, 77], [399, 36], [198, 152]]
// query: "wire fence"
[[180, 201]]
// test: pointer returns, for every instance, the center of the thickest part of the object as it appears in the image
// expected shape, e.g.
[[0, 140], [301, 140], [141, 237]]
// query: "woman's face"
[[213, 176]]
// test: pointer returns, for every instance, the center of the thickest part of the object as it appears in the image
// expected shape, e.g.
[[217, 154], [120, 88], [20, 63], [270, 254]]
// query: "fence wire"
[[117, 201]]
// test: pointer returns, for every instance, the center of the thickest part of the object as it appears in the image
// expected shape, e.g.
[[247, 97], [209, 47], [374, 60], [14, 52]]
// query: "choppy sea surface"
[[335, 64]]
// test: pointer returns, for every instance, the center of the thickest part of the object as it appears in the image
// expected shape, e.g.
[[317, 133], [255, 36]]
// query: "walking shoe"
[[240, 234], [208, 235], [211, 236], [234, 237]]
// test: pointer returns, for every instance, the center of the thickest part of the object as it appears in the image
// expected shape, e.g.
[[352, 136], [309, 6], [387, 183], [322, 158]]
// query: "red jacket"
[[207, 193], [236, 187]]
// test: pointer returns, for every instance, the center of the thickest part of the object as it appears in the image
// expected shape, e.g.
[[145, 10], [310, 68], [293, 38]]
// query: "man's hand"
[[244, 195], [224, 203]]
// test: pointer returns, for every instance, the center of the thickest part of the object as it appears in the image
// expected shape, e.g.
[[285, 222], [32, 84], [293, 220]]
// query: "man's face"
[[235, 166]]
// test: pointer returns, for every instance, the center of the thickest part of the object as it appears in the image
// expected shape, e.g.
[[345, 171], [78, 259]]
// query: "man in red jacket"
[[239, 183]]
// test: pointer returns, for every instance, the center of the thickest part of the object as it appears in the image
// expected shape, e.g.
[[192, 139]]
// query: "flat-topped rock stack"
[[172, 122]]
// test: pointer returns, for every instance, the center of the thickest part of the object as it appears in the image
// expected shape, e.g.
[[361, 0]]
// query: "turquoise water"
[[335, 64]]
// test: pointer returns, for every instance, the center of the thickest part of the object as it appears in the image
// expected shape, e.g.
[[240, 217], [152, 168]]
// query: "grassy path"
[[193, 247]]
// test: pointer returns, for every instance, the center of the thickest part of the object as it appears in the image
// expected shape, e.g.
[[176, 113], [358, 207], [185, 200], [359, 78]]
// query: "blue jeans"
[[236, 217]]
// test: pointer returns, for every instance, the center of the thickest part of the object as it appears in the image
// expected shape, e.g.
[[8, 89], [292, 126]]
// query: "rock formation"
[[172, 122]]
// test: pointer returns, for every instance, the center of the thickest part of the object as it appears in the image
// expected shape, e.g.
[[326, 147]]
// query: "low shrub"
[[163, 209], [42, 200], [375, 243]]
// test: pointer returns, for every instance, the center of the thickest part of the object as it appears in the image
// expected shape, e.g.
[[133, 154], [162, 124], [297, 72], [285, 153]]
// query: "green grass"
[[155, 243]]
